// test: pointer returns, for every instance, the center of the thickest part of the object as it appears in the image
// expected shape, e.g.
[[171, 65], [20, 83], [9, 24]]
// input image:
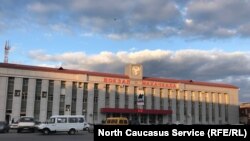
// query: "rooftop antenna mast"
[[6, 51]]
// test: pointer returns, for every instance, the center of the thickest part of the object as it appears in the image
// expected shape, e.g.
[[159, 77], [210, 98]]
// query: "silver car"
[[90, 128], [26, 123]]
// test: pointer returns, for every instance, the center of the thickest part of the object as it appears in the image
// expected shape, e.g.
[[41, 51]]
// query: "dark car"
[[4, 127], [134, 122]]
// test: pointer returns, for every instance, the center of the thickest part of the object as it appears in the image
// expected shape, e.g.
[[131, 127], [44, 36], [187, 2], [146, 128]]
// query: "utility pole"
[[6, 51]]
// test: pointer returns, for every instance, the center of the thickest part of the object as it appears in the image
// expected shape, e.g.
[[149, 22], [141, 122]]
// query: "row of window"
[[66, 120], [38, 90]]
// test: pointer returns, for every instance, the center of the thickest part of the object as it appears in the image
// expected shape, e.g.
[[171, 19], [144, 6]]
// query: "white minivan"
[[63, 123]]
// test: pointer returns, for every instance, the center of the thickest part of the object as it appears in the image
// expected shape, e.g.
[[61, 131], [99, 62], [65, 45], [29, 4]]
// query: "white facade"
[[52, 91]]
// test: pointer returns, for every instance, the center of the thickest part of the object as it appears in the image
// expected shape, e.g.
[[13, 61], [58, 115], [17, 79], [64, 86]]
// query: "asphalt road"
[[26, 136]]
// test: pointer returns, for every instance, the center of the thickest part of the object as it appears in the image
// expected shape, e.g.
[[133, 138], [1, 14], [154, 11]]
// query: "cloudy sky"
[[203, 40]]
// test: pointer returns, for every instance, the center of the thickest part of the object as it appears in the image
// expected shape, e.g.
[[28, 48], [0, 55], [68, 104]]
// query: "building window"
[[185, 104], [178, 106], [207, 107], [226, 107], [145, 99], [24, 95], [193, 106], [67, 107], [63, 84], [17, 93], [85, 99], [73, 100], [44, 94], [220, 107], [126, 97], [161, 99], [135, 97], [200, 106], [117, 97], [10, 92], [107, 95], [38, 92], [62, 98], [170, 105], [50, 98], [153, 98], [95, 107]]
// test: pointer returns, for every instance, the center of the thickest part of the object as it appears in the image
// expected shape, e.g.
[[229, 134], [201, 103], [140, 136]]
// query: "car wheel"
[[19, 130], [46, 131], [89, 130], [33, 130], [72, 132]]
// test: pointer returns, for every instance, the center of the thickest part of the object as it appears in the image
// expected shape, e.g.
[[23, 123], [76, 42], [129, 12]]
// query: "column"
[[173, 99], [3, 95], [189, 107], [101, 102], [122, 97], [165, 104], [156, 103], [90, 102], [68, 98], [148, 97], [131, 97], [16, 105], [112, 96], [222, 104], [157, 99], [196, 108], [31, 98], [181, 106], [203, 108], [79, 97], [44, 99], [210, 101], [216, 108], [56, 97]]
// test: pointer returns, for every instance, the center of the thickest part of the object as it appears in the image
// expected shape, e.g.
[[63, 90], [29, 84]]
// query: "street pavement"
[[26, 136]]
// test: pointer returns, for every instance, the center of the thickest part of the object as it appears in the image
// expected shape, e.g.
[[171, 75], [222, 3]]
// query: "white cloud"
[[42, 8], [214, 65], [129, 19], [189, 21], [87, 34]]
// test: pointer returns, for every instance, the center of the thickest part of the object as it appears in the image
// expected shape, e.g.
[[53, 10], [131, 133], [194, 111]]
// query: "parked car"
[[134, 122], [37, 123], [90, 128], [63, 123], [86, 128], [4, 127], [117, 121], [26, 123], [14, 125]]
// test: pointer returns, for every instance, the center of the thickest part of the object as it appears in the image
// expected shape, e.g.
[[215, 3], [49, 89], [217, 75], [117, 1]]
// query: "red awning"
[[136, 111]]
